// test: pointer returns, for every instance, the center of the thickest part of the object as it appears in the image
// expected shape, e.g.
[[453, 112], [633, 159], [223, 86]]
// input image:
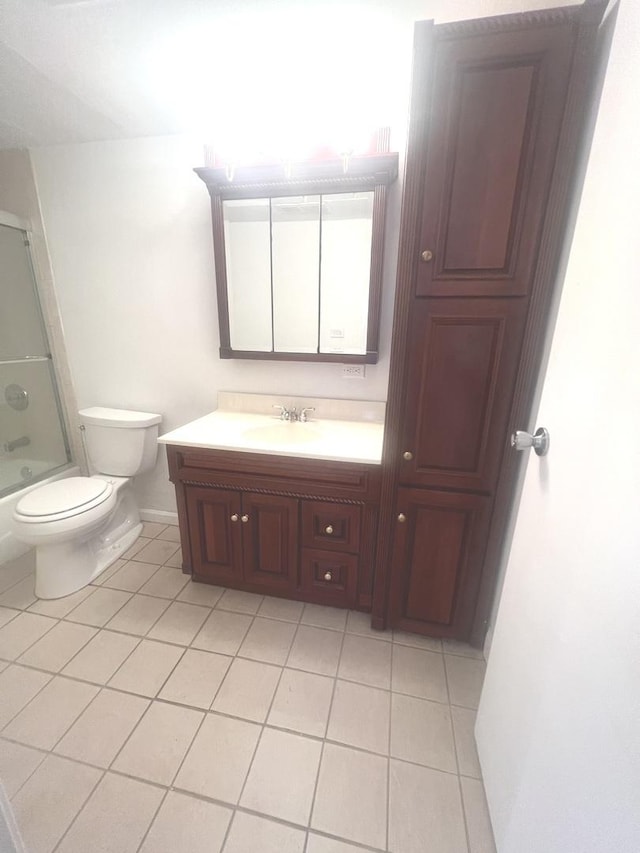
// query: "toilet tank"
[[120, 442]]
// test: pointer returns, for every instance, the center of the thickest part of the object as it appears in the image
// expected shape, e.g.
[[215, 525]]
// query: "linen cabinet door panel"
[[437, 559], [462, 369], [214, 528], [498, 101], [270, 541]]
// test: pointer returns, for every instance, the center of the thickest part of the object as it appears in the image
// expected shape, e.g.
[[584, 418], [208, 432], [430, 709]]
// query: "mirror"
[[299, 259]]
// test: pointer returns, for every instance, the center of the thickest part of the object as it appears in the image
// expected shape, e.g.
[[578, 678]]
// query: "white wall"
[[130, 240], [559, 721]]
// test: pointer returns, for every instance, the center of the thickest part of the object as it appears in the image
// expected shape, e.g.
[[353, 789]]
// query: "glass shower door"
[[33, 442]]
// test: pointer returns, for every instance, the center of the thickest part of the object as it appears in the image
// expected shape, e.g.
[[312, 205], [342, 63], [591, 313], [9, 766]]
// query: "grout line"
[[77, 814], [389, 752]]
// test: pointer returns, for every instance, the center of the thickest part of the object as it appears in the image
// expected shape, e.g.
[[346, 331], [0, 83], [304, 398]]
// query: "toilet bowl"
[[81, 525]]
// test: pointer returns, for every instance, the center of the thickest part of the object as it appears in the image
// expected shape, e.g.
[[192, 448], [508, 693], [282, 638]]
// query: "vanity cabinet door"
[[215, 532], [270, 542]]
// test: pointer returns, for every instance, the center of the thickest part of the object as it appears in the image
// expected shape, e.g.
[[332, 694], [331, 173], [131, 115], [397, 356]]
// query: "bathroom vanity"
[[278, 507]]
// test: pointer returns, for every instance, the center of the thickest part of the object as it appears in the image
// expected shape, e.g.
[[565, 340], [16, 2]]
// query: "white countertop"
[[339, 440]]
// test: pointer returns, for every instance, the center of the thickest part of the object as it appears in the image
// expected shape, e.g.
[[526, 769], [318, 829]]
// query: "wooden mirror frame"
[[363, 173]]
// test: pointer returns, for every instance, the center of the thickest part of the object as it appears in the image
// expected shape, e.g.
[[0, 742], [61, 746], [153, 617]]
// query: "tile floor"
[[146, 713]]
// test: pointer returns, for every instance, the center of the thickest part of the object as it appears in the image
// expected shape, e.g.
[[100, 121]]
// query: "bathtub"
[[10, 548]]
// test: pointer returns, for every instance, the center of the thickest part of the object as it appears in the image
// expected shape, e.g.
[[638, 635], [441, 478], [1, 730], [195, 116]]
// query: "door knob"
[[426, 256], [408, 455], [521, 440], [402, 518], [244, 519], [328, 576], [328, 529], [234, 517]]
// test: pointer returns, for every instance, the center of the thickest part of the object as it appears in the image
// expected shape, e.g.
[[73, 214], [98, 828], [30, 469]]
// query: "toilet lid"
[[73, 493]]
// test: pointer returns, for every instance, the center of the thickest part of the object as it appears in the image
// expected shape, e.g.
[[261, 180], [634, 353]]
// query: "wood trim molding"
[[515, 21]]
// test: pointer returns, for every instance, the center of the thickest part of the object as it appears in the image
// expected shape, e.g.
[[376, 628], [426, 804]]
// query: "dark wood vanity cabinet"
[[297, 528]]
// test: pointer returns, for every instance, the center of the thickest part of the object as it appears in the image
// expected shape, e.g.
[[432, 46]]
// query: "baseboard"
[[159, 515]]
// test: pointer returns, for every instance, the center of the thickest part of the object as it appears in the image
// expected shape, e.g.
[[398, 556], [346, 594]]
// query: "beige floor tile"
[[108, 572], [421, 731], [3, 664], [100, 731], [16, 570], [59, 607], [99, 607], [131, 576], [201, 593], [302, 702], [240, 602], [156, 748], [360, 717], [179, 623], [171, 533], [50, 800], [419, 673], [281, 608], [315, 650], [477, 817], [157, 551], [454, 647], [320, 616], [250, 832], [268, 640], [464, 720], [115, 818], [465, 677], [351, 800], [425, 811], [23, 631], [320, 844], [138, 615], [196, 678], [367, 661], [101, 657], [223, 632], [187, 825], [360, 623], [282, 778], [21, 595], [233, 743], [7, 614], [137, 546], [247, 690], [151, 529], [166, 583], [175, 560], [405, 638], [17, 763], [48, 716], [58, 646], [147, 668], [18, 686]]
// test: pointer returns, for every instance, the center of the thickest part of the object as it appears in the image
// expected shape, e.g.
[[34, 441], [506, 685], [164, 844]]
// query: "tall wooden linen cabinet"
[[498, 113]]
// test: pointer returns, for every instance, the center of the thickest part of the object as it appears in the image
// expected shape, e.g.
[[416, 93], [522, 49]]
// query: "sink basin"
[[282, 433]]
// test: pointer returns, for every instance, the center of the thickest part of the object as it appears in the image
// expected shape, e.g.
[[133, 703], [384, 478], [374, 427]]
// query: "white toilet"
[[80, 525]]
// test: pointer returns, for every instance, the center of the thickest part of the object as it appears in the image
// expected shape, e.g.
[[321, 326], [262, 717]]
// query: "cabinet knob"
[[244, 519], [408, 455], [427, 255], [234, 517], [328, 576], [328, 529], [402, 518]]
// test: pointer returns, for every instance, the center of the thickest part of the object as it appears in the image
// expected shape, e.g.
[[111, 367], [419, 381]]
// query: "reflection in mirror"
[[247, 241]]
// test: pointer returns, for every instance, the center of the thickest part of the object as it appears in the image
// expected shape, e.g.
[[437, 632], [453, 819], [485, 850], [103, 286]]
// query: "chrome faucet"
[[292, 415]]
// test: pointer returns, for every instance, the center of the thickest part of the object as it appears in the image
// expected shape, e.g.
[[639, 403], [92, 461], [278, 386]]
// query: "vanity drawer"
[[331, 525], [331, 578]]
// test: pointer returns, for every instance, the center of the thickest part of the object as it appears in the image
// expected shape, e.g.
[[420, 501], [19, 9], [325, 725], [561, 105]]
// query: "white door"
[[559, 722]]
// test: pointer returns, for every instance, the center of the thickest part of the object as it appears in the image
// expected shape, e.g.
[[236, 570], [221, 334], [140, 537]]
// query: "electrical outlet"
[[353, 371]]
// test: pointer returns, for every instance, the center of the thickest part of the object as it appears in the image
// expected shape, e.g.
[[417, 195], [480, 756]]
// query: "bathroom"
[[120, 233]]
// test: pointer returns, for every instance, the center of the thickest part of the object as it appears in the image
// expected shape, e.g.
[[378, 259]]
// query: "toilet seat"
[[63, 499]]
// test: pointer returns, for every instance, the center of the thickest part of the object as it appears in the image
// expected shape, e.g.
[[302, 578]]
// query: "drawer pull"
[[328, 529], [407, 455], [402, 518], [234, 517], [244, 519], [328, 576]]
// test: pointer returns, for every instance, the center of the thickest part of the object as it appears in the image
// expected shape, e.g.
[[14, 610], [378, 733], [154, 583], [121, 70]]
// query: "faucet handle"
[[284, 412], [303, 413]]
